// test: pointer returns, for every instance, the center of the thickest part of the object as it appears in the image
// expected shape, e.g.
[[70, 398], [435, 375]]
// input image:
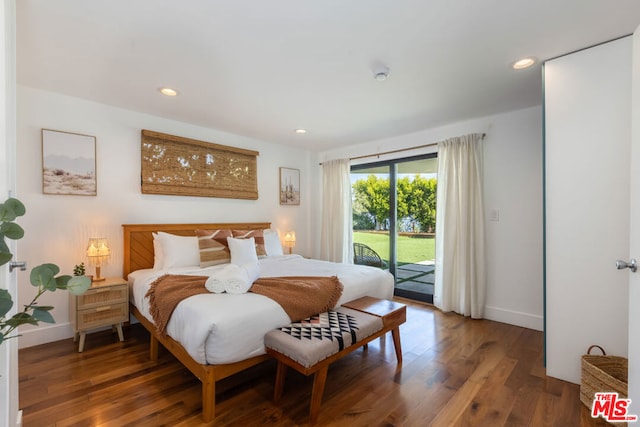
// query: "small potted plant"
[[79, 270]]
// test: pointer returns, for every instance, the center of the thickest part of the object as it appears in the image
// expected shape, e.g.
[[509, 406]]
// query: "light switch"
[[494, 215]]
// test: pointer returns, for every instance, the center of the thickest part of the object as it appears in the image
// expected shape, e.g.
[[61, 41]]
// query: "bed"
[[228, 338]]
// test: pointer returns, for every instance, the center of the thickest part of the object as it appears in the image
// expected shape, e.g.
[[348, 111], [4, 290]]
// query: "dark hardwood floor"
[[456, 372]]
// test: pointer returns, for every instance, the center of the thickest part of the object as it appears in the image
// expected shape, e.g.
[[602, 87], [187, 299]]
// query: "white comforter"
[[225, 328]]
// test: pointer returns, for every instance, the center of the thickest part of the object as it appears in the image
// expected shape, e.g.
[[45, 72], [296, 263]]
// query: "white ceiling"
[[264, 68]]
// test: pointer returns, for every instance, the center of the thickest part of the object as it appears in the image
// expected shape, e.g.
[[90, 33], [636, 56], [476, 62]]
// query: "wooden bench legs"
[[320, 373], [395, 333], [305, 355], [319, 381], [281, 373]]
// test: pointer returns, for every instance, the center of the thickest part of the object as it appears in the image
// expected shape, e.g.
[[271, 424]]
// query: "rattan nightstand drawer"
[[104, 315], [100, 296]]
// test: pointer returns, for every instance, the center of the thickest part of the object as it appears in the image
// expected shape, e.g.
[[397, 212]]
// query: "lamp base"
[[97, 277]]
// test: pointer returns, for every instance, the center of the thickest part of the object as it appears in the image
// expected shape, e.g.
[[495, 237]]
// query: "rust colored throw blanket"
[[299, 296], [167, 291]]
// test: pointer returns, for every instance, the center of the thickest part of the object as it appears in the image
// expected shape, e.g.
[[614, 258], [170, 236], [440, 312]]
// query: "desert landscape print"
[[68, 163]]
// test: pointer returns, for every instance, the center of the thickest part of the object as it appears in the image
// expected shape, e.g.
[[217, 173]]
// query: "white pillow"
[[272, 245], [178, 251], [243, 251], [158, 261]]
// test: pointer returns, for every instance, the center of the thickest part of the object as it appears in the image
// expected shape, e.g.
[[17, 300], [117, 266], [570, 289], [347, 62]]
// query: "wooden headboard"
[[138, 240]]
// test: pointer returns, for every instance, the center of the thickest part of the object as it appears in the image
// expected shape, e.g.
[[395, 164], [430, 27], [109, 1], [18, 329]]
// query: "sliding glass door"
[[394, 217], [371, 216]]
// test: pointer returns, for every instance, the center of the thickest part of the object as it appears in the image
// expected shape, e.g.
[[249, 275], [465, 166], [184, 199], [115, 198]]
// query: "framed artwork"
[[68, 163], [289, 186]]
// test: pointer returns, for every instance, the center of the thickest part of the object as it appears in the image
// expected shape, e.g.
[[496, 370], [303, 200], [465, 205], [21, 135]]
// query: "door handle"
[[631, 265], [22, 265]]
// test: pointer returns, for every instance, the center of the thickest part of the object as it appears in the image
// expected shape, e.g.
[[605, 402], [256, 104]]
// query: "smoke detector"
[[381, 73]]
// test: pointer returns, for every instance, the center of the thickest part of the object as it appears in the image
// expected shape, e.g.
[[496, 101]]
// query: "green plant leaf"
[[5, 253], [78, 285], [62, 281], [16, 206], [12, 230], [21, 319], [42, 315], [54, 268], [1, 338], [5, 257], [11, 209], [5, 302], [44, 276], [6, 213]]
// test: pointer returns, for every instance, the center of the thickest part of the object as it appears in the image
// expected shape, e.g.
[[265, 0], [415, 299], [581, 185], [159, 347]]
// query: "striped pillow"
[[258, 237], [213, 245]]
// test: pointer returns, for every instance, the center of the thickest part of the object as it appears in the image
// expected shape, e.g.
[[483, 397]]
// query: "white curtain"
[[336, 243], [460, 282]]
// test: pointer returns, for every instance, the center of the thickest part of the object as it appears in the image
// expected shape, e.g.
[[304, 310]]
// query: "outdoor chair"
[[364, 255]]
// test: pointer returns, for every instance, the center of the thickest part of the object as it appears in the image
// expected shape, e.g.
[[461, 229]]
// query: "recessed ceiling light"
[[301, 131], [168, 91], [523, 63]]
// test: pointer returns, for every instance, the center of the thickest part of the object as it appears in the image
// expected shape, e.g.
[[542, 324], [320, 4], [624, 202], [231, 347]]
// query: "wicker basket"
[[602, 373]]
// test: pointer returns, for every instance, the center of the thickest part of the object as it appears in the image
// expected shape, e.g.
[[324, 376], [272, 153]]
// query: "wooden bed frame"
[[138, 254]]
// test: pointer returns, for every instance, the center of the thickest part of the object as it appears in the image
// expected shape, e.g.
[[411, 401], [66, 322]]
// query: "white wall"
[[57, 227], [588, 134], [513, 185]]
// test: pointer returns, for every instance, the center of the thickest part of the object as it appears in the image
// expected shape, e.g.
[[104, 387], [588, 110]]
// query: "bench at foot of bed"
[[311, 345]]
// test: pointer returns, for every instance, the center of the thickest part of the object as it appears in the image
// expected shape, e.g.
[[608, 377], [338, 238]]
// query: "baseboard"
[[45, 334], [525, 320]]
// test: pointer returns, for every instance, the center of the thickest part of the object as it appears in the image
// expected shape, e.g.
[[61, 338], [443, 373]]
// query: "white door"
[[9, 349], [587, 148], [634, 246]]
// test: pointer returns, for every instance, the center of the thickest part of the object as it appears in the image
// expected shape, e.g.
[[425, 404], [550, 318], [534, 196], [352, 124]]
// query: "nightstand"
[[104, 303]]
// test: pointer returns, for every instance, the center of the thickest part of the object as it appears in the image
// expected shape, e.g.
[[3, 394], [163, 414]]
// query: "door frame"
[[393, 207], [634, 233], [9, 401]]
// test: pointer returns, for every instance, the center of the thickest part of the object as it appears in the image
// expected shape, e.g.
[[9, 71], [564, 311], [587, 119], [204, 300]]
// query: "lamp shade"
[[98, 248]]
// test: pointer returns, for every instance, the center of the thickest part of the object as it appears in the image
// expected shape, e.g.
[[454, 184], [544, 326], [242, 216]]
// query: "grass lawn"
[[410, 249]]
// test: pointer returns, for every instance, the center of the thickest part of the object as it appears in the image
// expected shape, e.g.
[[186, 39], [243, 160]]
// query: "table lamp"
[[290, 240], [98, 252]]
